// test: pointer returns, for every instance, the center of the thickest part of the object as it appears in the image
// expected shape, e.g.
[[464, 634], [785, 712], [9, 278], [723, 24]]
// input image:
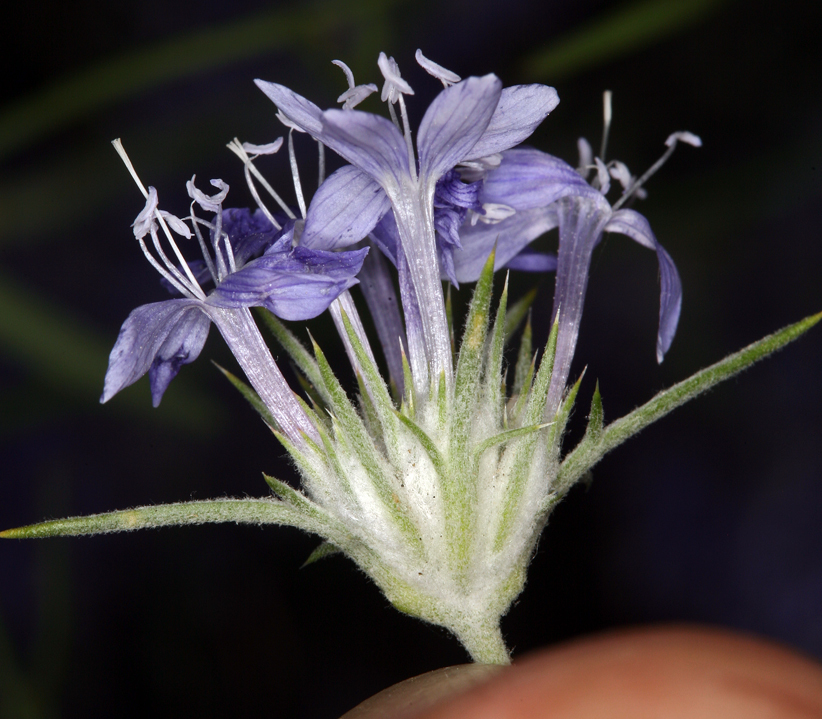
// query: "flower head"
[[546, 192], [251, 263], [467, 121], [438, 488]]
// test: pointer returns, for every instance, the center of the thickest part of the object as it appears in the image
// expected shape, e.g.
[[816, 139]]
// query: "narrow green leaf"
[[533, 413], [518, 312], [326, 549], [590, 450], [239, 511], [286, 492], [317, 402], [524, 368], [449, 316], [564, 411], [409, 405], [595, 416], [367, 409], [296, 349], [361, 443], [539, 390], [373, 384], [251, 396], [442, 401], [494, 379], [507, 436], [469, 365], [427, 443]]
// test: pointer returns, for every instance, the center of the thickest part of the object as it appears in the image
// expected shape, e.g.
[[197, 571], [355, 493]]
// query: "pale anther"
[[446, 77]]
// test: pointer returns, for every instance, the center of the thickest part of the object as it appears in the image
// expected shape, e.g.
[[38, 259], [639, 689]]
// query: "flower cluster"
[[438, 480]]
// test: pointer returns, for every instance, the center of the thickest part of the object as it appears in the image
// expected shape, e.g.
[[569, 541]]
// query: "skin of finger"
[[674, 672], [419, 693]]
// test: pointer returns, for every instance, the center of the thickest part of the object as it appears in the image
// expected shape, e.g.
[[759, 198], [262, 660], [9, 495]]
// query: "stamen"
[[195, 221], [392, 91], [288, 122], [606, 126], [586, 157], [603, 178], [620, 172], [412, 162], [214, 203], [321, 170], [183, 289], [270, 148], [295, 174], [446, 77], [121, 151], [394, 116], [394, 86], [194, 288], [257, 197], [686, 137], [191, 285], [239, 150], [355, 94], [349, 76]]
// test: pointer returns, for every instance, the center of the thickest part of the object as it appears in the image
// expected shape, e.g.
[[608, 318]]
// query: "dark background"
[[713, 515]]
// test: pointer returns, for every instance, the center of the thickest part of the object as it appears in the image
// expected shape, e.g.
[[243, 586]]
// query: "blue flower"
[[293, 282], [545, 192], [466, 122]]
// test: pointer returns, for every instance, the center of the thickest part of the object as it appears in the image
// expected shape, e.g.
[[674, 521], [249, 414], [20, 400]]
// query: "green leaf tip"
[[595, 415], [250, 395], [595, 446], [518, 311], [210, 511], [326, 549]]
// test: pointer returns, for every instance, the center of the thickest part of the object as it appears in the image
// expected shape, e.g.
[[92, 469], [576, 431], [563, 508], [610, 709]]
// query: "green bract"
[[440, 500]]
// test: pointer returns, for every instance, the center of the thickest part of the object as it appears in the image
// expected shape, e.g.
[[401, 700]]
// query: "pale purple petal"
[[299, 110], [387, 237], [377, 287], [510, 236], [528, 178], [251, 233], [344, 210], [294, 285], [367, 141], [635, 226], [454, 122], [414, 324], [158, 338], [532, 261], [519, 110], [581, 223]]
